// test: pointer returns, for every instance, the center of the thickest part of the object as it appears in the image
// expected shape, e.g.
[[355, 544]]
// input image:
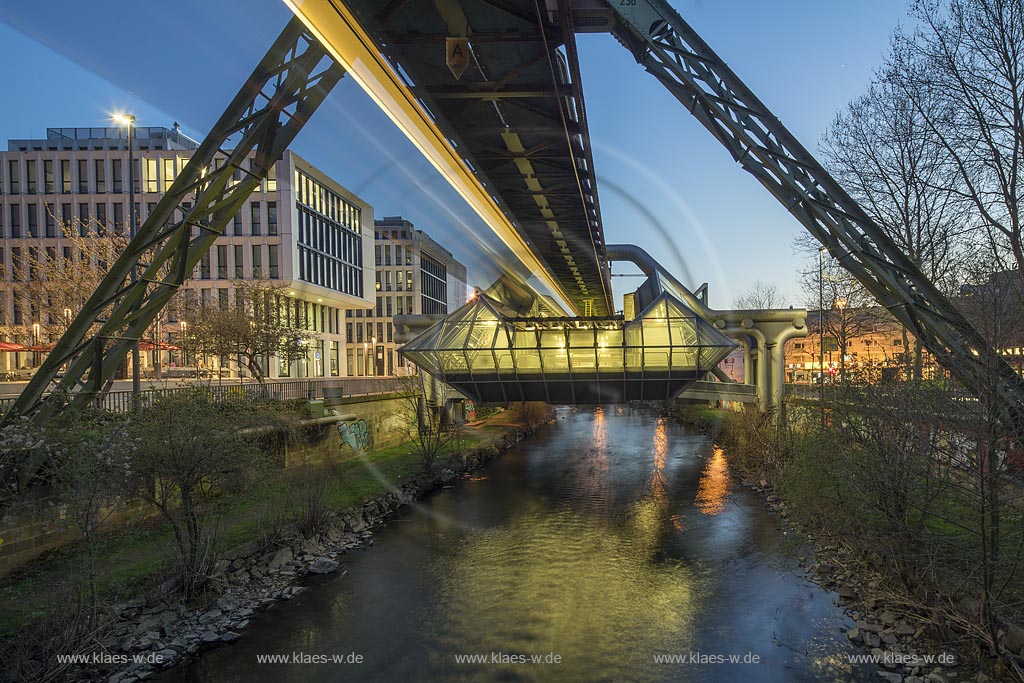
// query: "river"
[[607, 541]]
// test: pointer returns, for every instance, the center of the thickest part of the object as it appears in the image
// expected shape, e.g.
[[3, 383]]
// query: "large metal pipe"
[[648, 265]]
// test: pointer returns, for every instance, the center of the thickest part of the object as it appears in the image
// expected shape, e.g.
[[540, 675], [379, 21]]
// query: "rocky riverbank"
[[901, 636], [159, 631]]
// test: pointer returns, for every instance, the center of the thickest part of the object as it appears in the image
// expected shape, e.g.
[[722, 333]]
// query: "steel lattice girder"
[[672, 51], [516, 117], [275, 102]]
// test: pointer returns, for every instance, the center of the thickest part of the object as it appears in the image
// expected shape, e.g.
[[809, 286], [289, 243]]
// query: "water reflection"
[[715, 484], [557, 582]]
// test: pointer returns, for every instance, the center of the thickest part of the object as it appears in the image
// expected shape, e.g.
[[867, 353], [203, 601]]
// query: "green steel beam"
[[289, 84]]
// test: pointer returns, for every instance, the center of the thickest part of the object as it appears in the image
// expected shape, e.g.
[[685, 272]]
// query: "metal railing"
[[273, 390]]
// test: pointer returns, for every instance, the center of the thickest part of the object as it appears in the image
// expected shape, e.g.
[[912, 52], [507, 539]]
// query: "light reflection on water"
[[715, 484], [606, 539]]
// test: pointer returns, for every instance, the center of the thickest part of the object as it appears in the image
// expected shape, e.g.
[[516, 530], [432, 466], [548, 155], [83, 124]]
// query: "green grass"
[[136, 558]]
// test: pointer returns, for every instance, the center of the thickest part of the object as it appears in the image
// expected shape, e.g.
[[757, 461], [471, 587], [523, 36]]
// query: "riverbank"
[[261, 557], [910, 638]]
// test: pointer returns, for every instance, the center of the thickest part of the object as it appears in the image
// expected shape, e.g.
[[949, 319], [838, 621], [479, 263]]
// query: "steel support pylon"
[[672, 51], [291, 81]]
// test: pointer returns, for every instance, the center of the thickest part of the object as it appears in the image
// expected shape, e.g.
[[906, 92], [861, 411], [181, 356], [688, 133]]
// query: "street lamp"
[[366, 360], [374, 365], [129, 121], [821, 331], [36, 329]]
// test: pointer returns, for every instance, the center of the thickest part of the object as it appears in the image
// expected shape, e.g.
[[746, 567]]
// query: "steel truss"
[[672, 51], [290, 82]]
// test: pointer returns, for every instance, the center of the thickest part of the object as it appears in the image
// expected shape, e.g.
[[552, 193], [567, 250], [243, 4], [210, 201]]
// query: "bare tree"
[[760, 296], [847, 311], [261, 322], [882, 151], [963, 70]]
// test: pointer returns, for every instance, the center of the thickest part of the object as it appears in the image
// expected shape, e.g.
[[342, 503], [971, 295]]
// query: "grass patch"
[[137, 558]]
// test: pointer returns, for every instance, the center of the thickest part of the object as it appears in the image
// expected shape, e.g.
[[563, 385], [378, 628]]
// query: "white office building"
[[300, 229], [413, 275]]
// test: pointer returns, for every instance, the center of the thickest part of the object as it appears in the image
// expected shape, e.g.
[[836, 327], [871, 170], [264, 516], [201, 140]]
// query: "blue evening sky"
[[664, 182]]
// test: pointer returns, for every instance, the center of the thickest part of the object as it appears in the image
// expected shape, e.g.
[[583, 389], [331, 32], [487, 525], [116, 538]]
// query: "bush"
[[190, 449]]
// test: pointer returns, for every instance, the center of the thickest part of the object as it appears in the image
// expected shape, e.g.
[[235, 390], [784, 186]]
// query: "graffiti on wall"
[[355, 434]]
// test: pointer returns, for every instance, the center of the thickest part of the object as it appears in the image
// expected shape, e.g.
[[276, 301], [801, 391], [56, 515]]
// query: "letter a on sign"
[[457, 55]]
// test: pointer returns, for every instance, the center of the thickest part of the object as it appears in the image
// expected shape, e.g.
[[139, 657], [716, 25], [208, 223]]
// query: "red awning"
[[151, 346], [40, 347], [8, 346]]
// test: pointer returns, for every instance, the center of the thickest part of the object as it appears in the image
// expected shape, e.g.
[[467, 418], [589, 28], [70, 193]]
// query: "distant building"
[[300, 228], [414, 275], [877, 345]]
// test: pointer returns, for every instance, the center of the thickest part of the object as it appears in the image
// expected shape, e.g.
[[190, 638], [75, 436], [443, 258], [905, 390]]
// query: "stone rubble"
[[889, 634]]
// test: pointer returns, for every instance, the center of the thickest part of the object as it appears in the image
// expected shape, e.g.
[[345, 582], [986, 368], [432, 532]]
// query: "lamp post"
[[374, 365], [35, 342], [366, 360], [129, 121], [821, 332]]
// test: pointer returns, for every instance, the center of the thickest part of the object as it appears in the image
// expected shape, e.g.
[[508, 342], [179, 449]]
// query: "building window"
[[254, 218], [101, 176], [271, 218], [33, 220], [151, 175], [204, 266], [272, 257], [101, 218], [335, 369], [83, 219], [30, 176], [65, 176], [48, 184], [257, 261], [116, 174], [119, 218], [83, 176], [168, 173], [51, 222], [272, 178], [15, 220], [222, 262], [13, 177], [239, 274], [236, 224]]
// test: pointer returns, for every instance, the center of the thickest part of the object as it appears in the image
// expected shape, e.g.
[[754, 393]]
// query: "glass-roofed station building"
[[491, 352]]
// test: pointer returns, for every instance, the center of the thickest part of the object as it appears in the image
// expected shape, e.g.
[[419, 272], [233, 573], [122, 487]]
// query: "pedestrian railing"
[[255, 392]]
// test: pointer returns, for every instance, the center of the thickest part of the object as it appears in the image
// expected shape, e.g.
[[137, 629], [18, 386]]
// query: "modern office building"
[[413, 275], [300, 229]]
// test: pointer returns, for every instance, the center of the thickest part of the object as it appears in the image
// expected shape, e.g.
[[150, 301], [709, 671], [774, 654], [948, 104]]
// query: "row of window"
[[382, 254], [372, 362], [321, 199], [354, 332], [398, 280], [216, 264], [102, 175], [330, 254], [433, 285], [41, 220]]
